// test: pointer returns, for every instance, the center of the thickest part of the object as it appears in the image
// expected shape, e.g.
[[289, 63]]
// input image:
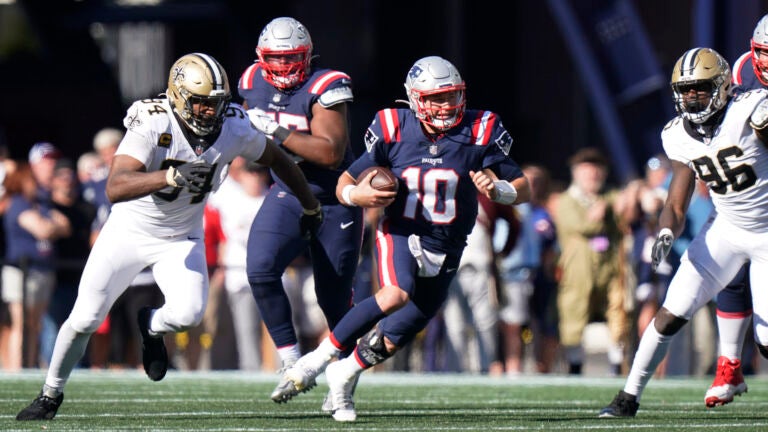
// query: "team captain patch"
[[164, 140]]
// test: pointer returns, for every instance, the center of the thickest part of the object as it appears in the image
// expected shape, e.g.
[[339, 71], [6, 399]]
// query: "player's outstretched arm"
[[129, 179], [678, 198]]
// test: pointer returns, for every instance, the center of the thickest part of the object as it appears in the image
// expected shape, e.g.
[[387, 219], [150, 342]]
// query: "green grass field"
[[233, 401]]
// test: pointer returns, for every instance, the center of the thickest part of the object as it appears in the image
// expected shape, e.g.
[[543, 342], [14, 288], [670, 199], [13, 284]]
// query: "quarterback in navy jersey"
[[734, 303], [442, 155], [305, 110]]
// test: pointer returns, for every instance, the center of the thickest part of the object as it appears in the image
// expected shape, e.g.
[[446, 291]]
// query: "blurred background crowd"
[[560, 285]]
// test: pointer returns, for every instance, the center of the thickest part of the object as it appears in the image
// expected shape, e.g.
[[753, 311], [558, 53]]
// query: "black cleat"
[[153, 353], [42, 408], [623, 405]]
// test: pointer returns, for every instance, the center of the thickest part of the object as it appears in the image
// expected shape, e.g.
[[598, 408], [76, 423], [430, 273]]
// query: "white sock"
[[289, 354], [327, 349], [68, 350], [350, 366], [731, 333], [650, 352]]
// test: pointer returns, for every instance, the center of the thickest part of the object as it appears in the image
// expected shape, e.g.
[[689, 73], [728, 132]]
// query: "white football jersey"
[[733, 163], [155, 138]]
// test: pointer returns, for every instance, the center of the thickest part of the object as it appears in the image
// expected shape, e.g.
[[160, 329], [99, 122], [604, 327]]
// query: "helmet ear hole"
[[198, 90]]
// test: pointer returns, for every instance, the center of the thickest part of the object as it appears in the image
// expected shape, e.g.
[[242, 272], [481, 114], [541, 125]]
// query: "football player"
[[304, 109], [734, 303], [720, 139], [443, 155], [176, 150]]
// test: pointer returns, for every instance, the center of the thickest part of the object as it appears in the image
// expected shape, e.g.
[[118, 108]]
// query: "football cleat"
[[342, 388], [729, 382], [300, 377], [153, 353], [328, 401], [42, 408], [286, 389], [623, 405]]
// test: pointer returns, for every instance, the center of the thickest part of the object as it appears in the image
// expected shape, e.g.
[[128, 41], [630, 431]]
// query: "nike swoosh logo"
[[450, 270], [345, 225]]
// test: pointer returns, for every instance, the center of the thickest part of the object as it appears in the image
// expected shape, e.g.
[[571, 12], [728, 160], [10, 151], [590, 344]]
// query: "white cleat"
[[328, 400], [300, 377], [286, 388], [342, 387]]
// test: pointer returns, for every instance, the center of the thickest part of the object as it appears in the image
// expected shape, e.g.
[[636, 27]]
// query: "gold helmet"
[[198, 90], [705, 73]]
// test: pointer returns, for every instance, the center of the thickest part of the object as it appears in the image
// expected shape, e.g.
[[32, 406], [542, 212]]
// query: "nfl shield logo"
[[276, 98], [433, 149]]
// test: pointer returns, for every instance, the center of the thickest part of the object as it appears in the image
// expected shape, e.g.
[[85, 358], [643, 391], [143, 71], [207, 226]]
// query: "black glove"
[[661, 247], [193, 175], [310, 222]]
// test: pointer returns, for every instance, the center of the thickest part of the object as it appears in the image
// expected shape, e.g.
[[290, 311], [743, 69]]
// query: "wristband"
[[346, 195], [280, 134], [505, 193], [169, 177], [666, 231]]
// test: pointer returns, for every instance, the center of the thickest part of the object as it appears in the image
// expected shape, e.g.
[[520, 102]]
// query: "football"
[[384, 180]]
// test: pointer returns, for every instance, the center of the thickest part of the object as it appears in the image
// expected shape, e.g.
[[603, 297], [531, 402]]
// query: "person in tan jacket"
[[591, 286]]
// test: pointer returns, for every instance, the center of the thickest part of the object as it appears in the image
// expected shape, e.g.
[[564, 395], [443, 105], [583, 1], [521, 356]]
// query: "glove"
[[661, 247], [310, 222], [262, 121], [193, 175]]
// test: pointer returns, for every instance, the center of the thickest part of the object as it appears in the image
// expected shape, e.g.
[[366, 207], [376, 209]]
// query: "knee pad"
[[372, 348], [667, 323]]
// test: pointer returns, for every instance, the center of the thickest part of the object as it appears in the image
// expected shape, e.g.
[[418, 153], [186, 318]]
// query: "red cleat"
[[729, 382]]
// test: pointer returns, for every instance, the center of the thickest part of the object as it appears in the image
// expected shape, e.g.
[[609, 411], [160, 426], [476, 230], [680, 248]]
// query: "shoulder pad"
[[237, 121], [335, 96], [759, 118], [145, 113]]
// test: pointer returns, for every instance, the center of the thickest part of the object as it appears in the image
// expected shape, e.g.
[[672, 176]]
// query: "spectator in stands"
[[238, 200], [588, 219], [73, 248], [529, 283], [28, 275], [7, 166]]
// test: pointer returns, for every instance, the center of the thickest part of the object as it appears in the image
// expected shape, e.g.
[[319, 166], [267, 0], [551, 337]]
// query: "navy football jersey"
[[743, 74], [437, 199], [293, 110]]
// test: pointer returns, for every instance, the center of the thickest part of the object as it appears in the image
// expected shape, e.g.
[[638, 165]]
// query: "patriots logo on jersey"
[[504, 141], [370, 139]]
